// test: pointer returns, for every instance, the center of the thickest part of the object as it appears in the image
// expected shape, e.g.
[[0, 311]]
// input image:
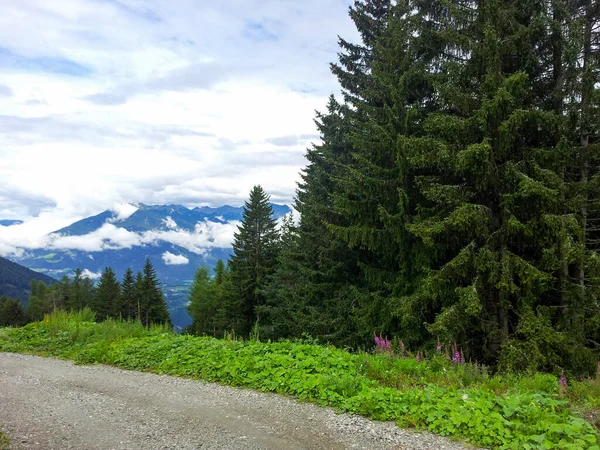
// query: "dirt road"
[[53, 404]]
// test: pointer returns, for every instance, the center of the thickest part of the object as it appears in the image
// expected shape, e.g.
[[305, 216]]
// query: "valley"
[[176, 239]]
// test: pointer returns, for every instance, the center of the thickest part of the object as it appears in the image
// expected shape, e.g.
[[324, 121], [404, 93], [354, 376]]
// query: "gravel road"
[[53, 404]]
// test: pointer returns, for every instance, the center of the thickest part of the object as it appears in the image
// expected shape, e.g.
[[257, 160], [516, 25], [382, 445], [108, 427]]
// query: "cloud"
[[292, 140], [126, 101], [169, 223], [170, 259], [50, 64], [5, 91], [206, 235], [124, 210], [85, 273]]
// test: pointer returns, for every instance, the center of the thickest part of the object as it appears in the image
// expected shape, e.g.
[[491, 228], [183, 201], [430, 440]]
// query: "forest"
[[136, 298], [452, 199]]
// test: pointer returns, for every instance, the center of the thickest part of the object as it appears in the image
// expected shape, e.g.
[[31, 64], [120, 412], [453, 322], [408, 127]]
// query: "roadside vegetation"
[[439, 392], [4, 441]]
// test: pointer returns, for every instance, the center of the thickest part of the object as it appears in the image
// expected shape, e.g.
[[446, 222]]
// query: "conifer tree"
[[128, 309], [202, 302], [108, 293], [254, 256], [11, 313], [153, 305], [39, 303], [140, 304]]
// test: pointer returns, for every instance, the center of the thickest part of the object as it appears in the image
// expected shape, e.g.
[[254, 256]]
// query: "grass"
[[4, 441], [461, 400]]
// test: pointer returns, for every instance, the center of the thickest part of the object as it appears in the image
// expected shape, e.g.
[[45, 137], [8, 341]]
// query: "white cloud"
[[169, 223], [110, 237], [171, 259], [124, 210], [215, 98], [91, 275]]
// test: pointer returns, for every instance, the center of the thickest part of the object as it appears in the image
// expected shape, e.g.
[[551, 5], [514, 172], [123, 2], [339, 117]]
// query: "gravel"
[[53, 404]]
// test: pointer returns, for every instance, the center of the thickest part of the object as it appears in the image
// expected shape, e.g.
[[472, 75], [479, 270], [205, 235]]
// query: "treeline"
[[454, 194], [134, 298]]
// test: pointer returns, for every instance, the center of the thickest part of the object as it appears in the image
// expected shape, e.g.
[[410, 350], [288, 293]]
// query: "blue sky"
[[109, 102]]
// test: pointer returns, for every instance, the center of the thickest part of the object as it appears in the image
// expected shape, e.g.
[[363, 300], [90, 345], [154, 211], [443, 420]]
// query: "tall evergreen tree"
[[202, 302], [128, 302], [108, 294], [153, 305], [39, 302], [140, 303], [254, 256]]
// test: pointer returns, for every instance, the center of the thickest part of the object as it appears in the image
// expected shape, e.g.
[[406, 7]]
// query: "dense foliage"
[[455, 192], [446, 397]]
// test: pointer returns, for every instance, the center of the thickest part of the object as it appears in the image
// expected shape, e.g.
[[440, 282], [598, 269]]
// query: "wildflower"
[[382, 344], [465, 397], [456, 355], [439, 349], [418, 356], [402, 346], [563, 380]]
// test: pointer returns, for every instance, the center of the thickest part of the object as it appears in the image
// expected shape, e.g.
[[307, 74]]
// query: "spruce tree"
[[254, 256], [202, 302], [39, 302], [140, 303], [12, 313], [128, 303], [153, 305], [108, 294]]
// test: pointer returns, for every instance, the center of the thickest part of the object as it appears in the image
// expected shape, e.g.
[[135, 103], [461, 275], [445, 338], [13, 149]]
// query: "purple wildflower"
[[382, 344], [418, 356], [456, 358], [563, 380], [439, 347], [402, 346]]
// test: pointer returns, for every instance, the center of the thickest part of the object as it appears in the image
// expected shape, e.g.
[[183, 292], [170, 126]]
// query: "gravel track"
[[53, 404]]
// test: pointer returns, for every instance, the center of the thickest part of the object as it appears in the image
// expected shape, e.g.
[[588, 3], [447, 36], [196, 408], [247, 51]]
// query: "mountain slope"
[[15, 279]]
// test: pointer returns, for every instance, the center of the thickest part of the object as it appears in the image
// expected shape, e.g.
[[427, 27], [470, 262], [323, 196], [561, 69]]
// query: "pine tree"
[[108, 294], [254, 256], [39, 302], [81, 291], [153, 305], [140, 301], [202, 302], [11, 313], [128, 309]]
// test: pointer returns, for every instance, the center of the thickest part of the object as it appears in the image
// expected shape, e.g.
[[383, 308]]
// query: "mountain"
[[8, 222], [177, 240], [15, 279]]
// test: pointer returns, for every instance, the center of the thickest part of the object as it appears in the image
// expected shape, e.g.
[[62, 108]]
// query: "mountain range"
[[176, 239]]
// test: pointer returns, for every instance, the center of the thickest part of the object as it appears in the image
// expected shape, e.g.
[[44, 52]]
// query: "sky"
[[106, 103]]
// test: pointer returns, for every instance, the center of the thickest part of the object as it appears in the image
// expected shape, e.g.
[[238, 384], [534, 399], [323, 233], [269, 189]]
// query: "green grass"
[[507, 412], [4, 441]]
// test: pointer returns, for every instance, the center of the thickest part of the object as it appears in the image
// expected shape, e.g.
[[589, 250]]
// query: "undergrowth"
[[505, 412]]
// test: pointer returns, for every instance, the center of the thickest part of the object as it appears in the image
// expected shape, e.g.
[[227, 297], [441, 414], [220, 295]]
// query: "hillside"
[[15, 279]]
